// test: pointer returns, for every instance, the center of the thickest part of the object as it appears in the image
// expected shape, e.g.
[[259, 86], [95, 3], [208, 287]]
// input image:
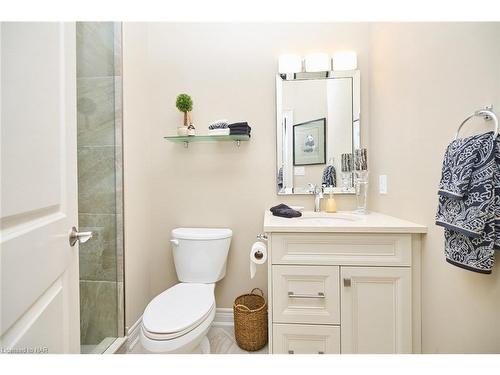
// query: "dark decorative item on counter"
[[282, 210], [250, 321], [184, 103]]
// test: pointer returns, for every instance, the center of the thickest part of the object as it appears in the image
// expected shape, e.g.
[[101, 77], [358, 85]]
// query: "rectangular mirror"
[[318, 120]]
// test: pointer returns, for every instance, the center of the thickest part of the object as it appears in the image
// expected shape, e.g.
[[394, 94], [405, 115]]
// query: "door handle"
[[293, 295], [80, 237], [347, 282], [292, 352]]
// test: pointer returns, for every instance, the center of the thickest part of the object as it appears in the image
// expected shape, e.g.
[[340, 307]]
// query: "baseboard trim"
[[119, 346], [133, 335], [223, 317]]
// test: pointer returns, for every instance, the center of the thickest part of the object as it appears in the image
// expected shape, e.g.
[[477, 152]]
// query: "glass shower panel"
[[100, 203]]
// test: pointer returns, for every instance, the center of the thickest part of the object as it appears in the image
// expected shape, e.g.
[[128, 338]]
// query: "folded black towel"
[[278, 207], [238, 132], [282, 210], [238, 125]]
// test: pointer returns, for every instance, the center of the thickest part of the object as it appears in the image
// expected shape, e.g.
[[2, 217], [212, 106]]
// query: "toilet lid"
[[179, 308]]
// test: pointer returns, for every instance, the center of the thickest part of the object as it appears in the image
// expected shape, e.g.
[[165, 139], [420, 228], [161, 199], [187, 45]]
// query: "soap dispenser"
[[331, 205]]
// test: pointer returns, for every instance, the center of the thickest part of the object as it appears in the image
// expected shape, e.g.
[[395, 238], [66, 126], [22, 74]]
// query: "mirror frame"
[[355, 75]]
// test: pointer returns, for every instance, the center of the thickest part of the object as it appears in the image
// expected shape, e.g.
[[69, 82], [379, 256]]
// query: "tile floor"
[[222, 341]]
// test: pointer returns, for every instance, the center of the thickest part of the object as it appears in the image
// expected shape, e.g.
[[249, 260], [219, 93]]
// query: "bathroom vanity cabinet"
[[343, 283]]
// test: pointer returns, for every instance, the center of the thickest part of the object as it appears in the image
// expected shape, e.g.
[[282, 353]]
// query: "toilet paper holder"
[[262, 237]]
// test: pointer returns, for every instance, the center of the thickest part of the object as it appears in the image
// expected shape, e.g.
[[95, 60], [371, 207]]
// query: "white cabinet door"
[[376, 310], [39, 309]]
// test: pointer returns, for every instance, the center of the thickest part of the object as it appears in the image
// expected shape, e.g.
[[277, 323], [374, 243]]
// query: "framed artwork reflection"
[[309, 147]]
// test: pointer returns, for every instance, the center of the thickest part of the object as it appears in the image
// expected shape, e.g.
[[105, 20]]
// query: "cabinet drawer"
[[306, 294], [305, 339], [386, 249]]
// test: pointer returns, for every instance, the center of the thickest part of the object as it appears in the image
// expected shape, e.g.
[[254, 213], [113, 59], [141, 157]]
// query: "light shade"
[[318, 62], [289, 63], [345, 60]]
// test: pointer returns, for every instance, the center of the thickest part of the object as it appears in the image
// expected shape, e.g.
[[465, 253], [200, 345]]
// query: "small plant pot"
[[191, 130], [182, 131]]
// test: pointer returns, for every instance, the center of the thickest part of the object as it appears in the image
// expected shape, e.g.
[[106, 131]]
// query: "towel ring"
[[484, 113]]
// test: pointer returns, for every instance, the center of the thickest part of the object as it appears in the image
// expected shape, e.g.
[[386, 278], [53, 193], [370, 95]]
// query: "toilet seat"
[[178, 310], [174, 335]]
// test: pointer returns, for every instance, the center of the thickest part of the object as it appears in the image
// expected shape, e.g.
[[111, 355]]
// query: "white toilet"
[[177, 320]]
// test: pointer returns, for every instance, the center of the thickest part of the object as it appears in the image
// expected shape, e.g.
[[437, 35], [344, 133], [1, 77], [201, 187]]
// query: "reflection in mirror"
[[318, 127]]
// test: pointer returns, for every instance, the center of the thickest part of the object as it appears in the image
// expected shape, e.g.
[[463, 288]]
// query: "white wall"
[[426, 78], [229, 70], [137, 176], [418, 83]]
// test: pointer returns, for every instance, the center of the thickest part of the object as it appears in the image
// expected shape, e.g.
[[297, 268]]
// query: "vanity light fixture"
[[345, 60], [289, 63], [318, 62]]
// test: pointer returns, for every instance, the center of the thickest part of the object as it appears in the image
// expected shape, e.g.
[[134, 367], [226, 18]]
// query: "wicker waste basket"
[[250, 321]]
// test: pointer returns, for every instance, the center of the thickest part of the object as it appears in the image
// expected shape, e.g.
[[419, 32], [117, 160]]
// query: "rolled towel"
[[329, 176], [218, 124]]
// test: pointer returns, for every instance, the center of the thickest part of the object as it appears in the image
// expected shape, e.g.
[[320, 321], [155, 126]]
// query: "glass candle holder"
[[361, 185]]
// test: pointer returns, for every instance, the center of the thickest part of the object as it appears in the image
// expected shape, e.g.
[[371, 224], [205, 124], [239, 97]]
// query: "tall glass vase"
[[361, 185], [346, 178]]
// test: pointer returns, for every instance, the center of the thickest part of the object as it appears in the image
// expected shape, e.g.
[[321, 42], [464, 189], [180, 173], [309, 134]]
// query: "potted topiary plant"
[[184, 103]]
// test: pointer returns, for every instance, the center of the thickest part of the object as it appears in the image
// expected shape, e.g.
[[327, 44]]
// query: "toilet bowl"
[[178, 319]]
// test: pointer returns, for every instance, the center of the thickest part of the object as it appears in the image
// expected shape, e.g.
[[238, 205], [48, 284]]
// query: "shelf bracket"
[[186, 144], [238, 142]]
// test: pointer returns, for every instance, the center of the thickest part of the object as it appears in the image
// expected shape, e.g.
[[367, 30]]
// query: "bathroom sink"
[[323, 218]]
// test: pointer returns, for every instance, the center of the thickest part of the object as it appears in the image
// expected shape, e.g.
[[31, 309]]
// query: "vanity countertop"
[[341, 222]]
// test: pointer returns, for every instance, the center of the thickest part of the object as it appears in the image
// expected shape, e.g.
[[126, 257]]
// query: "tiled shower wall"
[[100, 202]]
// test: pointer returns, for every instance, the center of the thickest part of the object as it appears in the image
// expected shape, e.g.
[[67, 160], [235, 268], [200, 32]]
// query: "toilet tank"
[[200, 254]]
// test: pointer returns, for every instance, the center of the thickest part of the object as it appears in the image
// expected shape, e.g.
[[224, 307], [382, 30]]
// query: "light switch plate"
[[382, 184]]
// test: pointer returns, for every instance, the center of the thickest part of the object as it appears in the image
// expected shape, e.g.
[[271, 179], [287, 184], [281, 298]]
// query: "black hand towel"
[[282, 210], [278, 207], [238, 125]]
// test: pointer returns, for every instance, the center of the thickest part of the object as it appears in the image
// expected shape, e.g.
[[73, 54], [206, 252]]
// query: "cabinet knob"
[[347, 282], [290, 352]]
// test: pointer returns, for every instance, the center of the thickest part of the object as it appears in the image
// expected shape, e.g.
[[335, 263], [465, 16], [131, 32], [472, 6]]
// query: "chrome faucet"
[[318, 195]]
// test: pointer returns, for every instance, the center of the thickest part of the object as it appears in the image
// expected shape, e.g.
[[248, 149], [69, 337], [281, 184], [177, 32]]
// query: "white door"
[[376, 310], [39, 270]]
